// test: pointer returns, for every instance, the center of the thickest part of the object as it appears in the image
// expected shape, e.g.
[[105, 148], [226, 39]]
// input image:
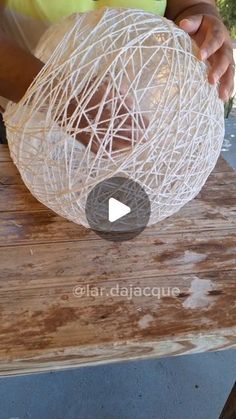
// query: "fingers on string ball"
[[121, 94]]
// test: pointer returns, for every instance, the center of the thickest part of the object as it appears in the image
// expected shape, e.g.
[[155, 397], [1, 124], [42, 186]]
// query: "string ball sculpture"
[[121, 94]]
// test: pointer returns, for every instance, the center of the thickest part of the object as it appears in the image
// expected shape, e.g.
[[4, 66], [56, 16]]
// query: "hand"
[[213, 40], [95, 124]]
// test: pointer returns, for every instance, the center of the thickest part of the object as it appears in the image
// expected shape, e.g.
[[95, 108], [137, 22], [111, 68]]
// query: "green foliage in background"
[[227, 10]]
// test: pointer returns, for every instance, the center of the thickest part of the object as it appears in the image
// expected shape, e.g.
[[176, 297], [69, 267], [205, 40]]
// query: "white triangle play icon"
[[117, 210]]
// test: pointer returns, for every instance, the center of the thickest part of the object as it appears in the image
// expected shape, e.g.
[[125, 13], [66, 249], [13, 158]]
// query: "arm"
[[203, 23], [18, 68], [177, 8]]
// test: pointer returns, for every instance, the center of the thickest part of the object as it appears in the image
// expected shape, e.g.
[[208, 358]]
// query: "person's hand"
[[91, 127], [213, 40]]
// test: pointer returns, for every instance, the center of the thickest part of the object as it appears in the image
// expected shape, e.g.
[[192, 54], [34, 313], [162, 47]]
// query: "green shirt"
[[53, 10]]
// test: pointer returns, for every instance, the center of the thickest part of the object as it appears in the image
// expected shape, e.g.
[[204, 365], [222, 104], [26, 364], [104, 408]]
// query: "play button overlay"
[[118, 209]]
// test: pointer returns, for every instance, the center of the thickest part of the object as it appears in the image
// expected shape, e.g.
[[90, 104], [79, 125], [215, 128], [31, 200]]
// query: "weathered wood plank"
[[44, 226], [213, 209], [9, 174], [221, 166], [49, 325], [145, 256], [4, 153], [45, 324], [219, 186], [74, 357], [17, 198]]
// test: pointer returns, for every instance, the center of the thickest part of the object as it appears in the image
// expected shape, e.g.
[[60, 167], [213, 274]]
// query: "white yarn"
[[147, 64]]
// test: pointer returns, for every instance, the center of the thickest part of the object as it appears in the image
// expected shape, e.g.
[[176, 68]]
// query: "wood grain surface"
[[68, 298]]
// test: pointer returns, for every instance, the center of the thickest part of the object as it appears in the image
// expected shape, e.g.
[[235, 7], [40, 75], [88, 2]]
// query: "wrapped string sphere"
[[121, 94]]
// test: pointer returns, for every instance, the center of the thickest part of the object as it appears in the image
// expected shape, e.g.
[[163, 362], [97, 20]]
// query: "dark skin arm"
[[18, 68], [203, 23]]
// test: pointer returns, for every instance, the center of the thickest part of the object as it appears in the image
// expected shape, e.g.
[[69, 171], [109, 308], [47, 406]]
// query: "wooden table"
[[44, 259]]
